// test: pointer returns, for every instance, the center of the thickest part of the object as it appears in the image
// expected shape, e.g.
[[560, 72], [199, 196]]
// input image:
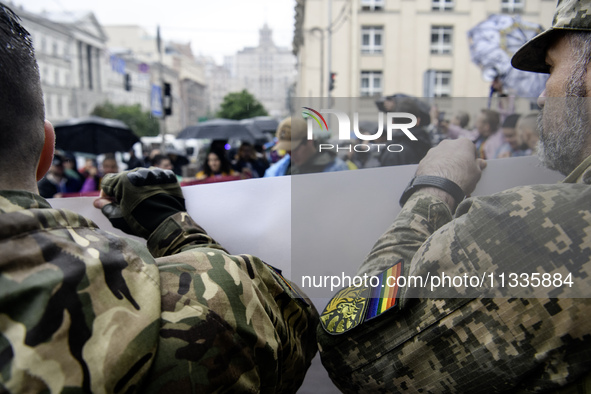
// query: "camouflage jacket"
[[82, 310], [471, 344]]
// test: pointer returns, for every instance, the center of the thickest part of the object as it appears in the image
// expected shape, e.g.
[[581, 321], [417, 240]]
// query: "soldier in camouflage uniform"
[[82, 310], [418, 343]]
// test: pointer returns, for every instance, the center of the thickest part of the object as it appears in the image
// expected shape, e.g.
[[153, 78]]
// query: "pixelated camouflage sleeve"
[[422, 215], [477, 345]]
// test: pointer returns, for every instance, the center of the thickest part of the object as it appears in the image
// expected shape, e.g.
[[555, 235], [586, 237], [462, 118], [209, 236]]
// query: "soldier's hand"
[[138, 201], [454, 160]]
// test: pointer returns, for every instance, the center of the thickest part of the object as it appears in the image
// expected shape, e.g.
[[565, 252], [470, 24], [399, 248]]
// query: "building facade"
[[381, 47], [181, 71], [70, 51], [268, 72], [128, 80]]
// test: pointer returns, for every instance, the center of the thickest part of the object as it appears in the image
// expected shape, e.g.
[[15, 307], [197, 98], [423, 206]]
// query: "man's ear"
[[47, 153]]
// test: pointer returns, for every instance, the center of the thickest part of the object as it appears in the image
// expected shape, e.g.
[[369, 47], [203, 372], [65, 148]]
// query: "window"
[[371, 39], [89, 59], [371, 83], [48, 105], [437, 83], [372, 5], [441, 40], [442, 5], [442, 85], [511, 6]]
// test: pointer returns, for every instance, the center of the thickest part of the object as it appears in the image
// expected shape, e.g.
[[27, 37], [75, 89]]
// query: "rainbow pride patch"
[[385, 295]]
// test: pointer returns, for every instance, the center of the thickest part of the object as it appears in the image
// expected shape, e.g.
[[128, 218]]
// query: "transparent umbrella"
[[492, 44]]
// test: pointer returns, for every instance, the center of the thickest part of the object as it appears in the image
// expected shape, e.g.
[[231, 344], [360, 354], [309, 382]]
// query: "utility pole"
[[329, 49], [321, 31], [160, 67]]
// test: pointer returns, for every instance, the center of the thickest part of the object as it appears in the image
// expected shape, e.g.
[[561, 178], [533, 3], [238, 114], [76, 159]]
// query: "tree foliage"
[[142, 123], [241, 105]]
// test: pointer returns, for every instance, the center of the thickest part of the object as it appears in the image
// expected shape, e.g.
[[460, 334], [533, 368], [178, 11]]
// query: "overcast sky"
[[215, 28]]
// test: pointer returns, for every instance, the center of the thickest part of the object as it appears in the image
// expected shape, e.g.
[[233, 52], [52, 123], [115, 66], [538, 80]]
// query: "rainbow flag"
[[384, 295]]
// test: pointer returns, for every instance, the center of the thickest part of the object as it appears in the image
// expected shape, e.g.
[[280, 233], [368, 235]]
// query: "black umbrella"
[[94, 135], [263, 124], [180, 158], [263, 127], [218, 129]]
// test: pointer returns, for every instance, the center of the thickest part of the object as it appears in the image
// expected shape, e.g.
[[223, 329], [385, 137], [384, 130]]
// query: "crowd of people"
[[64, 178], [83, 310], [494, 135]]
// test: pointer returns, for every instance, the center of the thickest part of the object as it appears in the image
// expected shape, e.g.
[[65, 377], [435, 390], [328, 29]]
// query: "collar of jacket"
[[17, 200], [581, 174]]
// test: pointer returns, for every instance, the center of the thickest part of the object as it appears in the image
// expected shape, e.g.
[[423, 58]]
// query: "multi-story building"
[[192, 86], [382, 47], [133, 39], [268, 72], [181, 71], [70, 53], [221, 80], [128, 81]]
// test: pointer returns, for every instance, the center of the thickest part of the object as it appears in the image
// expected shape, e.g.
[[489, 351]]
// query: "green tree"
[[241, 105], [142, 123]]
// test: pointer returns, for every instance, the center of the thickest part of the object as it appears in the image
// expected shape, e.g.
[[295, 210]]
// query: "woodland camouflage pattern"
[[478, 345], [82, 310]]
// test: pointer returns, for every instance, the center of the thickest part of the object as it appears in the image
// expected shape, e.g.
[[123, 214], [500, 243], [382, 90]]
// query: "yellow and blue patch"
[[353, 305]]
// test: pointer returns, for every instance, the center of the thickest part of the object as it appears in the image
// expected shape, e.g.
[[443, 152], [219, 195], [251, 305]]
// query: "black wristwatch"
[[432, 181]]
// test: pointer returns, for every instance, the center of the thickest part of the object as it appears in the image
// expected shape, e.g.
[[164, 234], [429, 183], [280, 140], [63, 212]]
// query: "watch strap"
[[444, 184]]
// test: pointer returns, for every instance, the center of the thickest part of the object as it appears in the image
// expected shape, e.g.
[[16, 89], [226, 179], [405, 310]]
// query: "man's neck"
[[26, 186]]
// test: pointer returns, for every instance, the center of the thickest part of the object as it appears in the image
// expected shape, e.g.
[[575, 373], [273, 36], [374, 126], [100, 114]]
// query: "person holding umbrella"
[[83, 310]]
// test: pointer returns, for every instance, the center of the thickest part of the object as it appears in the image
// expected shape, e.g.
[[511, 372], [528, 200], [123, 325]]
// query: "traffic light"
[[127, 82], [167, 99], [331, 80]]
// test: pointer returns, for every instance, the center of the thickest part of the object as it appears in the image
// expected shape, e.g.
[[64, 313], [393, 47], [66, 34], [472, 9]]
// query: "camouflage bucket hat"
[[573, 15]]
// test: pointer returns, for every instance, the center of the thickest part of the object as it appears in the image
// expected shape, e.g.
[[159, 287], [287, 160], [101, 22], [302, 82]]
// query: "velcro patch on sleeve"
[[385, 295], [286, 285], [345, 311], [352, 306]]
